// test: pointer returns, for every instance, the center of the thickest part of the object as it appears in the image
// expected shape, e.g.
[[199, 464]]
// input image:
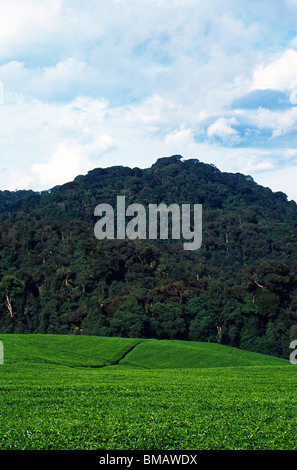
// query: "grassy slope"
[[93, 351], [195, 403], [187, 354], [69, 350]]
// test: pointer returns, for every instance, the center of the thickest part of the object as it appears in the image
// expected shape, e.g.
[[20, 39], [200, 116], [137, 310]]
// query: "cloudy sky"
[[96, 83]]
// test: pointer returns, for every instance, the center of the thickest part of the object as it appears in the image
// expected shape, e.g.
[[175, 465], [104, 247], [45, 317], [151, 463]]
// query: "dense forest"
[[239, 288]]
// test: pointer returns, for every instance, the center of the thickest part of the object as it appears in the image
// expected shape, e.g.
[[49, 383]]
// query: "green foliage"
[[83, 393], [99, 351], [167, 320], [128, 320], [70, 282]]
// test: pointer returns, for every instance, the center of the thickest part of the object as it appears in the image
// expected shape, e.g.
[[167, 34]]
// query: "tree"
[[129, 320], [271, 283], [10, 289], [167, 321]]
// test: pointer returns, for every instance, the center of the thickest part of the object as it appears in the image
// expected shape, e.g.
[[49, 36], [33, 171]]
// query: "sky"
[[100, 83]]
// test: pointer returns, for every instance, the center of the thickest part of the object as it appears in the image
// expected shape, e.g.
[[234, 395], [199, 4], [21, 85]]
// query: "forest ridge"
[[238, 289]]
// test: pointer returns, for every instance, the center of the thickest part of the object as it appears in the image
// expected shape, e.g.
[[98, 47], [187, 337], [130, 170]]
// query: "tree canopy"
[[238, 289]]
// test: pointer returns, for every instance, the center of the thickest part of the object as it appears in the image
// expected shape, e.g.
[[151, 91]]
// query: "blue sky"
[[123, 82]]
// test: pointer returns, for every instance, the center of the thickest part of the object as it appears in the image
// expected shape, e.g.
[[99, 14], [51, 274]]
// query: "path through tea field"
[[90, 393]]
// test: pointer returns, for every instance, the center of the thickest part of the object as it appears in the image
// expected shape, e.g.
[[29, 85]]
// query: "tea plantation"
[[89, 393]]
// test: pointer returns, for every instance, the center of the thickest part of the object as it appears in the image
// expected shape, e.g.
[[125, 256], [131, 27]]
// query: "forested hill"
[[238, 289]]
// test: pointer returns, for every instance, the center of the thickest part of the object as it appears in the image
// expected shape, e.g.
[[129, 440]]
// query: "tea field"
[[91, 393]]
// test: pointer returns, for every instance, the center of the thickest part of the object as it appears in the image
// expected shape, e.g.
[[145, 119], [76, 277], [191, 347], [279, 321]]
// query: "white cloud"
[[278, 122], [153, 111], [115, 82], [66, 162], [258, 166], [279, 74], [222, 128], [179, 138], [64, 165], [275, 180], [24, 23], [63, 80]]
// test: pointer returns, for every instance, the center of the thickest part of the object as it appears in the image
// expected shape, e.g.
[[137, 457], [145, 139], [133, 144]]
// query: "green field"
[[84, 393]]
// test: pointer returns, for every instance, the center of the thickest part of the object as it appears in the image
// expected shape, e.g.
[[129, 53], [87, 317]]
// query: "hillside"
[[238, 289], [69, 392], [97, 352]]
